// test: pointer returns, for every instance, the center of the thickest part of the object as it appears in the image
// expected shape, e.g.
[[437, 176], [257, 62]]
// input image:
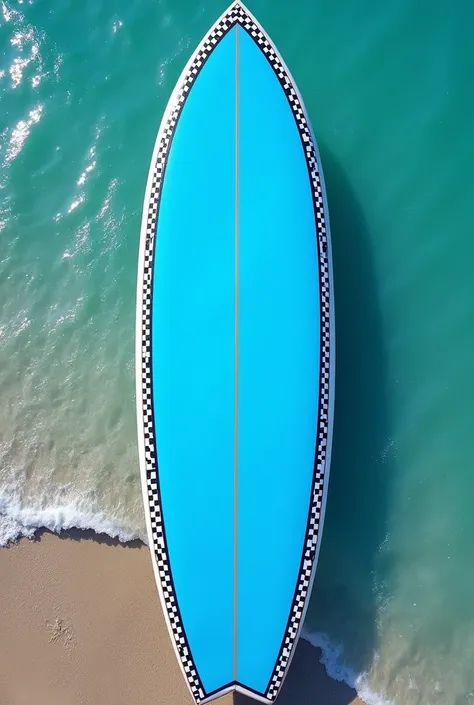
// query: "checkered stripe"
[[312, 531], [151, 462], [236, 14]]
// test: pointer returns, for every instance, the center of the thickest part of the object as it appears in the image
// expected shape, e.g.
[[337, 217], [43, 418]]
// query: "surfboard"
[[235, 362]]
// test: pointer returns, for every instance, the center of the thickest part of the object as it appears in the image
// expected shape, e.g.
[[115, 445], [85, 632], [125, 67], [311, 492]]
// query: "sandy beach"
[[81, 624]]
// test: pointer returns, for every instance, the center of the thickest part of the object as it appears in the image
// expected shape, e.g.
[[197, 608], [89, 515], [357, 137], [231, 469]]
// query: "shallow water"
[[389, 89]]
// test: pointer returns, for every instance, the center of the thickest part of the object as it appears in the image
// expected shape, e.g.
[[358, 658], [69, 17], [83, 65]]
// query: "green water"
[[389, 88]]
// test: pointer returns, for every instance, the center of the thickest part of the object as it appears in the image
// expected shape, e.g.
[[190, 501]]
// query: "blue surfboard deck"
[[235, 362]]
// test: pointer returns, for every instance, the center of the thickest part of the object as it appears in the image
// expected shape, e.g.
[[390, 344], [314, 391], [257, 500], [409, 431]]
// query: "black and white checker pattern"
[[235, 14]]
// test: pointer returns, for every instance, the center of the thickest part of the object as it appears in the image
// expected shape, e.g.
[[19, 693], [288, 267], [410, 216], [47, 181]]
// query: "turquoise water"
[[389, 90]]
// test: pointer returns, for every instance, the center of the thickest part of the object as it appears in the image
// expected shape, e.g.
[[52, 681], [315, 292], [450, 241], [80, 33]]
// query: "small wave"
[[336, 669], [106, 204], [90, 160], [90, 167], [20, 133], [26, 41], [17, 521], [77, 202], [182, 45]]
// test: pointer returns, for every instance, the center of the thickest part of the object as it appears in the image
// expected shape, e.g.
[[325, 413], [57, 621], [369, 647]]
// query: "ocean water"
[[389, 88]]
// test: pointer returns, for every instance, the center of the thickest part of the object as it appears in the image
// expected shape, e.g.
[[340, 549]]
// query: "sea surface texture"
[[389, 89]]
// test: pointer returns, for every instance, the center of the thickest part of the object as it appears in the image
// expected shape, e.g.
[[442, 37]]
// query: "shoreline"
[[82, 623]]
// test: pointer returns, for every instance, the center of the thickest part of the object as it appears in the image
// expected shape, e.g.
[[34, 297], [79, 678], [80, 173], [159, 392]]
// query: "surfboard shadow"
[[307, 683], [343, 603]]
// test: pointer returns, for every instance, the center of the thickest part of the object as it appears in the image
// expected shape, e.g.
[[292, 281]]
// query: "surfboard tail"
[[236, 688]]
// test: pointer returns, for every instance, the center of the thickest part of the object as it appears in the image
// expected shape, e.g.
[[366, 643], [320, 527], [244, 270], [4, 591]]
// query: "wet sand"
[[81, 624]]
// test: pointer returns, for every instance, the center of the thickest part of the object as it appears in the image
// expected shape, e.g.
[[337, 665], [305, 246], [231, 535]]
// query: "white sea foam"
[[338, 670], [17, 521]]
